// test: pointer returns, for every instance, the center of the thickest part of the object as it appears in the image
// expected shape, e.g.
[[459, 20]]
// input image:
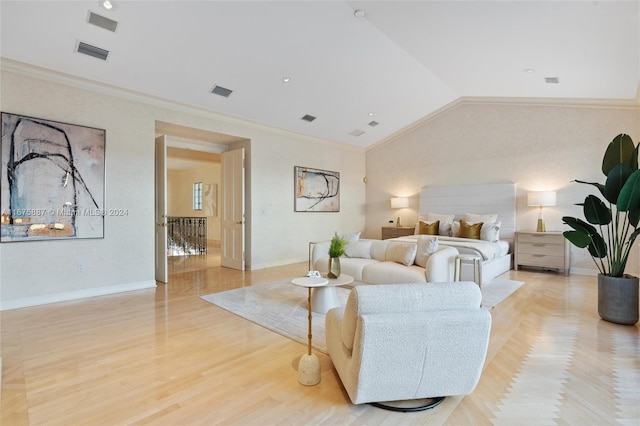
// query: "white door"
[[233, 209], [161, 210]]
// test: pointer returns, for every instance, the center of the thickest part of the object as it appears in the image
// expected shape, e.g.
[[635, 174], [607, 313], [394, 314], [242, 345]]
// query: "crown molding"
[[550, 102], [21, 68], [10, 65]]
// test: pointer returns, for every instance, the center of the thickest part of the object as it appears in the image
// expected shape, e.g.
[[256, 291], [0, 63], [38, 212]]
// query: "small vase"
[[334, 267]]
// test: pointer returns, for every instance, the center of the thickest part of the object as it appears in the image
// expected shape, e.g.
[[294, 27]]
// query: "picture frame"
[[316, 190], [52, 180]]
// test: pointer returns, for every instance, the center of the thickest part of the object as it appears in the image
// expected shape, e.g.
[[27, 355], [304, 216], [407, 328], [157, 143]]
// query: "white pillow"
[[472, 218], [490, 231], [352, 237], [426, 246], [404, 253], [360, 249], [455, 228], [446, 220]]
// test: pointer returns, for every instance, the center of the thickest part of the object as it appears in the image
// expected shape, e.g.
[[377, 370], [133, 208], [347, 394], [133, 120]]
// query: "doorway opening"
[[193, 220], [190, 198]]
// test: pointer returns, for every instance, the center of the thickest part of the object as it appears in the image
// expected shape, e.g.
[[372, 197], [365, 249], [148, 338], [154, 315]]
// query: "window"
[[197, 196]]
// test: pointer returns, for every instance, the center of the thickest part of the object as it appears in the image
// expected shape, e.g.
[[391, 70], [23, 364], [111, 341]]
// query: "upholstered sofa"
[[390, 262]]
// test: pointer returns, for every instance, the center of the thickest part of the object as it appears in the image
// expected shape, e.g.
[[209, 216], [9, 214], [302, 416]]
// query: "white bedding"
[[487, 249]]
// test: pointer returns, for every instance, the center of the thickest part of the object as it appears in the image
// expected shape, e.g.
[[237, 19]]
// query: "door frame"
[[196, 145]]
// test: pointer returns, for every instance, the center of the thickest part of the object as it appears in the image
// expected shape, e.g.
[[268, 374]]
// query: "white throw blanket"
[[487, 249]]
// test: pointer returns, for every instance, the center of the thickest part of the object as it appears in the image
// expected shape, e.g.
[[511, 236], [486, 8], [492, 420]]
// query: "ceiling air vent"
[[94, 51], [222, 91], [308, 118], [102, 22], [551, 80], [356, 132], [373, 123]]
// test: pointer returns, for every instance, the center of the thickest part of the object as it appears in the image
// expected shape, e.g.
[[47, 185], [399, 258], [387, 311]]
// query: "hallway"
[[196, 262]]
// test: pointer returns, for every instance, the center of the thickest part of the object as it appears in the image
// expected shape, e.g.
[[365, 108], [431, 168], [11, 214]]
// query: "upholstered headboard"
[[497, 198]]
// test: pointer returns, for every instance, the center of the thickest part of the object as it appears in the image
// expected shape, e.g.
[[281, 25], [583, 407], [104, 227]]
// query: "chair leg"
[[433, 402]]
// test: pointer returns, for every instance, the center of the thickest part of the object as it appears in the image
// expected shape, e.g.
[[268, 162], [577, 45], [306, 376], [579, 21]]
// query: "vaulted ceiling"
[[364, 69]]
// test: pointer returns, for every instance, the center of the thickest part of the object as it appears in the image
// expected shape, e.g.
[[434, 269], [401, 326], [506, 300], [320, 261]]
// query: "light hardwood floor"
[[166, 357]]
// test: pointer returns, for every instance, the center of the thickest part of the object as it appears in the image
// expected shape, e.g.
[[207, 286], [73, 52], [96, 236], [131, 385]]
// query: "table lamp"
[[541, 199], [399, 203]]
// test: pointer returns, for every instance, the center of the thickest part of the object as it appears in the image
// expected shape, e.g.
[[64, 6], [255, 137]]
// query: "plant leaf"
[[579, 225], [596, 184], [629, 198], [620, 150], [595, 211], [577, 238], [597, 247], [634, 217], [616, 179]]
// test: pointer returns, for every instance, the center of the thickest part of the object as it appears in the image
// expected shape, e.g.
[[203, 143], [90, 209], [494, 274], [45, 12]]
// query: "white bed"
[[497, 198]]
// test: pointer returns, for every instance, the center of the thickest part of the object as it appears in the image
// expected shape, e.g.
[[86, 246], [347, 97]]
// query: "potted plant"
[[609, 232], [336, 249]]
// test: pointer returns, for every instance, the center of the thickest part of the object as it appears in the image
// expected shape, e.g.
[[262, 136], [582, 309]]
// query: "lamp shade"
[[541, 198], [399, 203]]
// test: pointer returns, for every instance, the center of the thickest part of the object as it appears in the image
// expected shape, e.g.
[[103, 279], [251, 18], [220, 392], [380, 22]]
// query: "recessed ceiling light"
[[286, 79], [107, 4], [370, 114], [359, 13], [529, 70]]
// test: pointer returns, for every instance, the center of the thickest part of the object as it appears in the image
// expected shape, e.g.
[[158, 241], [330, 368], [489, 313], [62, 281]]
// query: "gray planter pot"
[[618, 299]]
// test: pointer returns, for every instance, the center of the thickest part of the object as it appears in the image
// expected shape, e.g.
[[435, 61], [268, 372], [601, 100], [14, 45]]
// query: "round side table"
[[309, 365], [325, 297]]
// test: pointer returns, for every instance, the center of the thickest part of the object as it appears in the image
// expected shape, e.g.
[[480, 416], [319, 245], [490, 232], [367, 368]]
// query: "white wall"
[[40, 271], [31, 270], [180, 195], [275, 227], [537, 146]]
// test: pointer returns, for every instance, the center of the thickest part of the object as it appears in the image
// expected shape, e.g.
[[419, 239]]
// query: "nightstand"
[[542, 249], [397, 231]]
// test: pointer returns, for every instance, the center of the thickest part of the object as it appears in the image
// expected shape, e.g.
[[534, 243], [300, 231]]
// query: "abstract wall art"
[[316, 190], [53, 180], [210, 199]]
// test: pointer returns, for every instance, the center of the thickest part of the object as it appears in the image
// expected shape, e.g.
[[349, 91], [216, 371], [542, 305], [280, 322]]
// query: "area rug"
[[282, 307]]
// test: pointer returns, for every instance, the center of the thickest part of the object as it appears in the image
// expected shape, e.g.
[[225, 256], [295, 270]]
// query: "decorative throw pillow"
[[404, 253], [470, 230], [490, 232], [360, 249], [455, 228], [484, 218], [446, 220], [352, 237], [429, 228], [426, 246]]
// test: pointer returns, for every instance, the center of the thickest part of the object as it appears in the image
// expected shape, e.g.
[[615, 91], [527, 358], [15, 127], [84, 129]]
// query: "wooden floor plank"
[[165, 357]]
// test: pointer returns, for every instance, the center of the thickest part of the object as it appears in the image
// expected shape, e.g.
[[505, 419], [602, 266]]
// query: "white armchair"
[[405, 341]]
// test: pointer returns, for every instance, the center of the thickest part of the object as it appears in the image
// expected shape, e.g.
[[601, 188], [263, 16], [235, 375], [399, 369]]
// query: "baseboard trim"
[[25, 302], [264, 265], [584, 271]]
